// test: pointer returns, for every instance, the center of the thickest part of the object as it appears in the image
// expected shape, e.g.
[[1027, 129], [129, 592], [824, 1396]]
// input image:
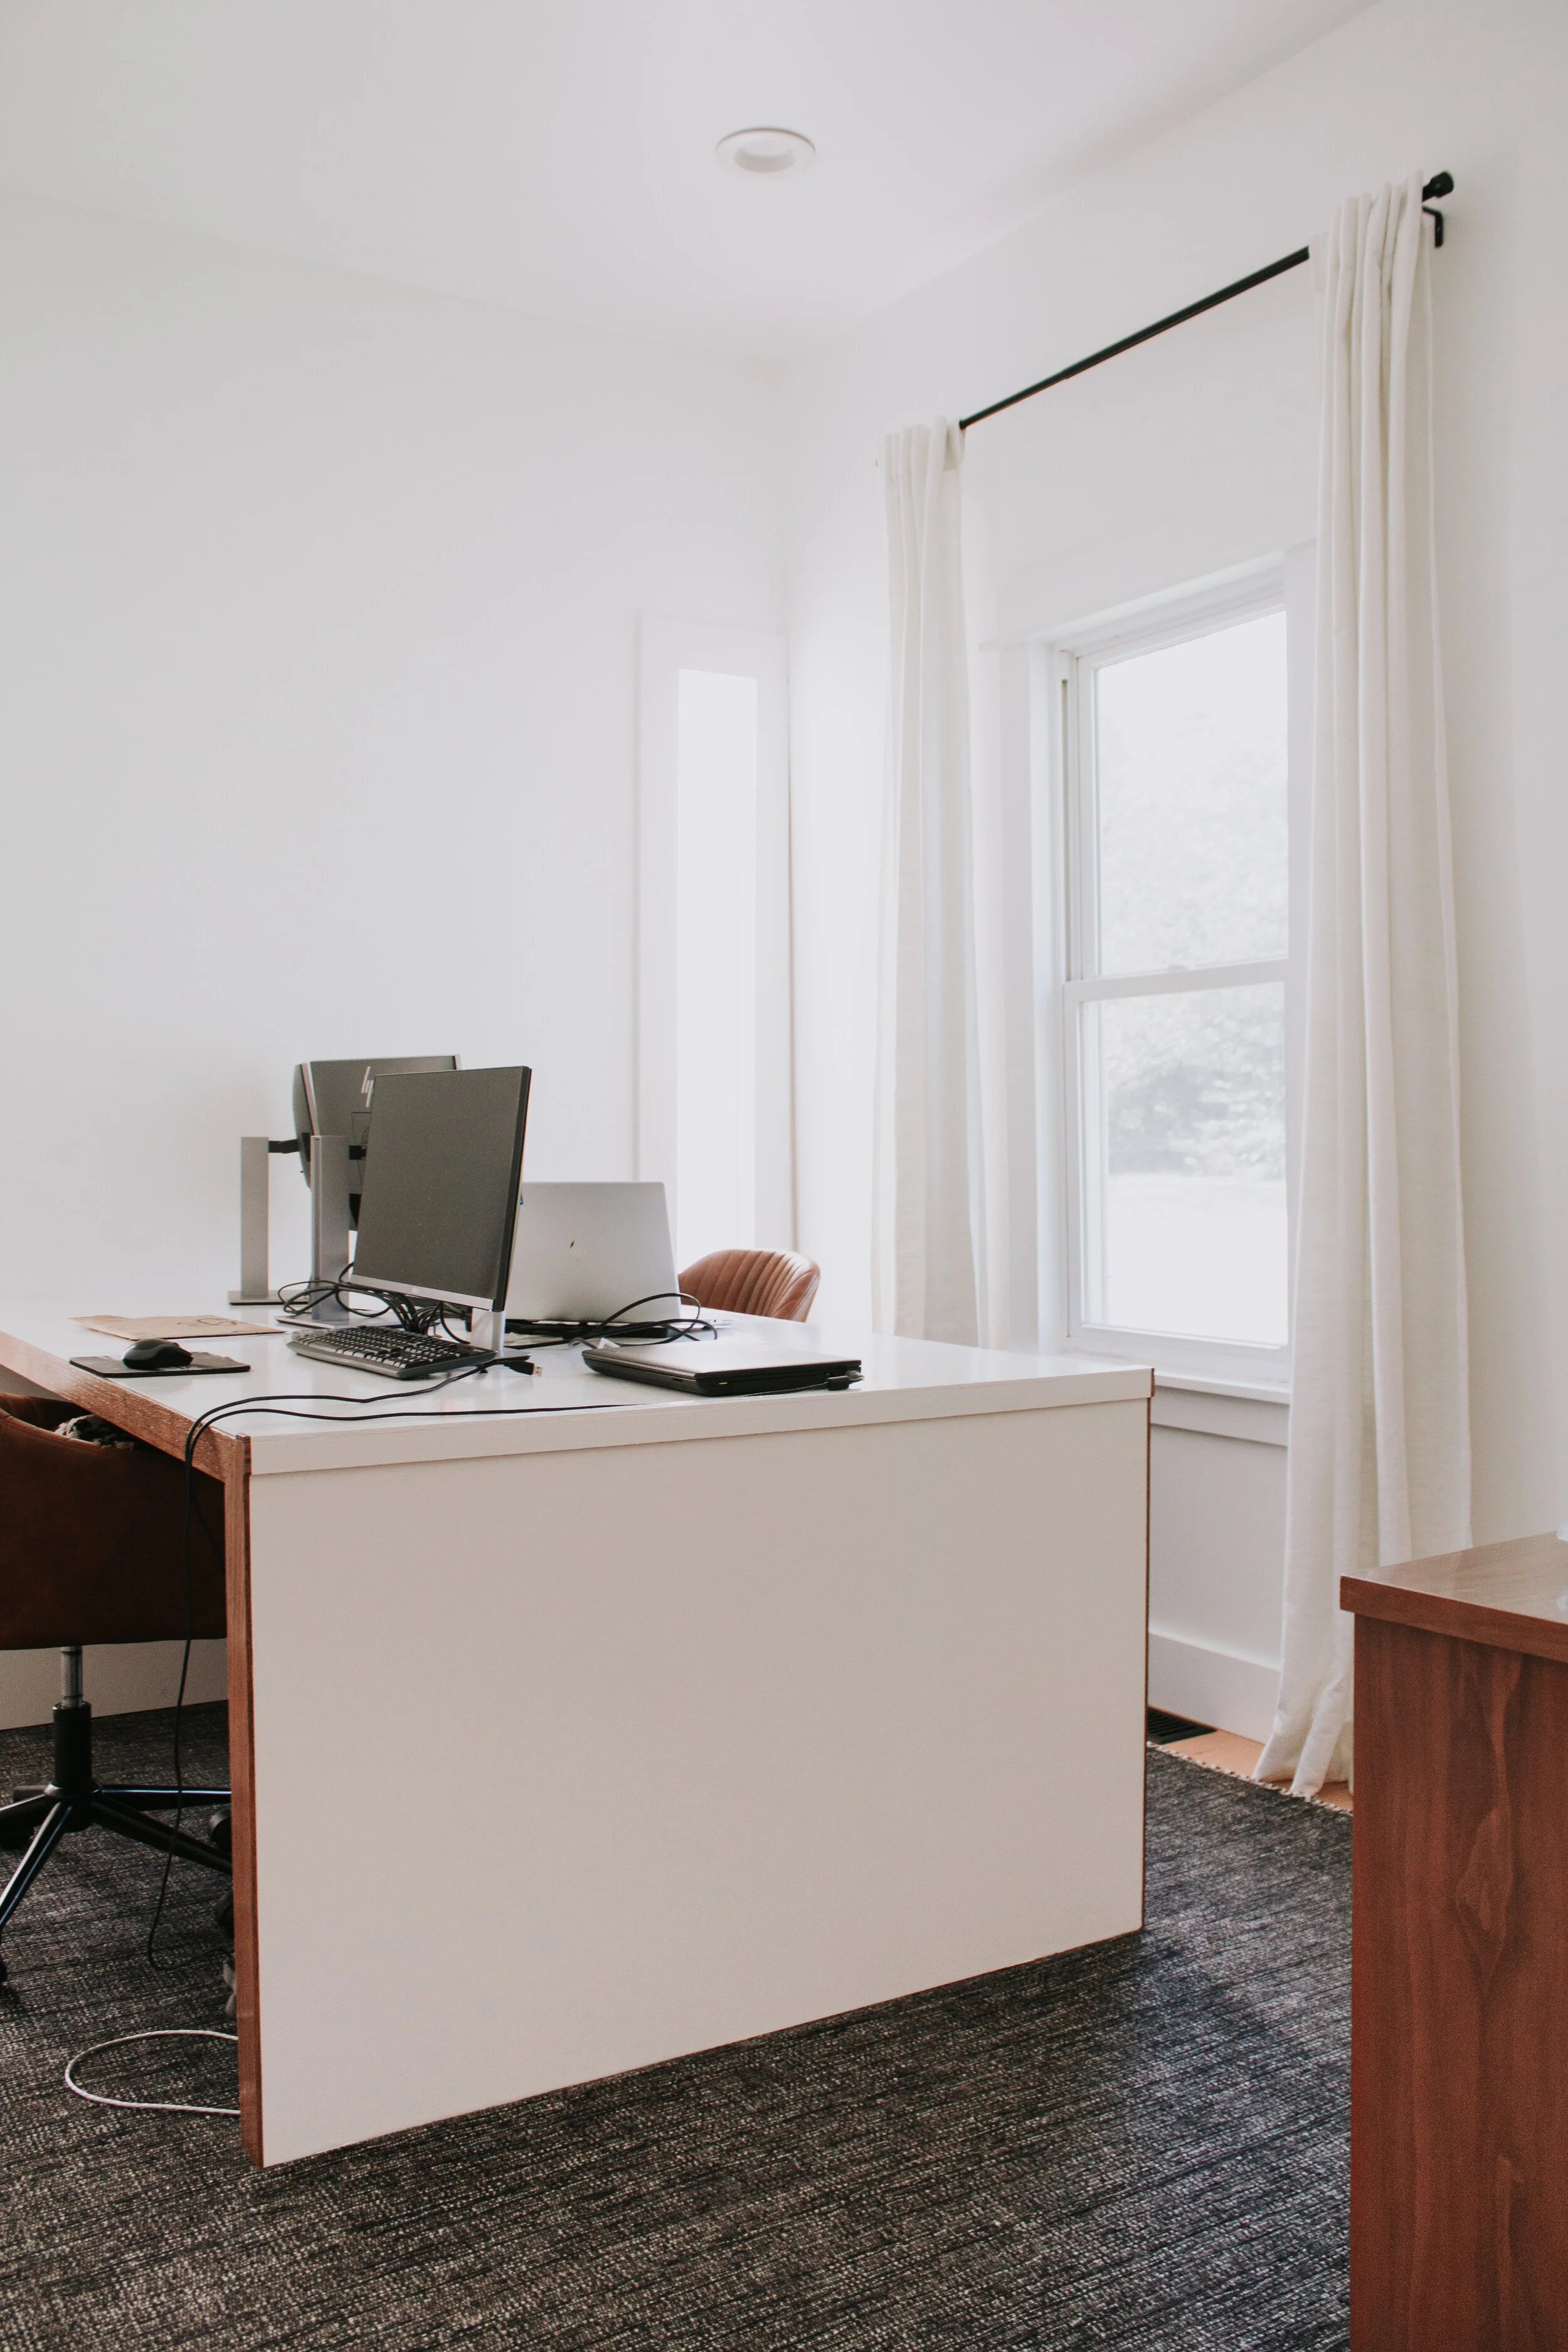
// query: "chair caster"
[[220, 1829]]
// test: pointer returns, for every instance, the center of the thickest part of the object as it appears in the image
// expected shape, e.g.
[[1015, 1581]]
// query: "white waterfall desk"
[[634, 1725]]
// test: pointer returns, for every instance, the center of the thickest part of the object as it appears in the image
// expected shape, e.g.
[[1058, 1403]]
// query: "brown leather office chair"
[[754, 1282], [92, 1549]]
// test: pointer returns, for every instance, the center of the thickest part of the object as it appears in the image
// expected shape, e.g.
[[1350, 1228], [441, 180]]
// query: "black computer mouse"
[[154, 1356]]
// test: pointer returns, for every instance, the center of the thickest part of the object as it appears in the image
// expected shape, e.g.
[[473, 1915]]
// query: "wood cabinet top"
[[1512, 1596]]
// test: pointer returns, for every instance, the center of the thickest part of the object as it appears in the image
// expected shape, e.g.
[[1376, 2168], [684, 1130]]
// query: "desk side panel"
[[661, 1747], [242, 1808]]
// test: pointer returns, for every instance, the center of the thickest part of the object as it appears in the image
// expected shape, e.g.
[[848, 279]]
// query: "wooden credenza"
[[1459, 2002]]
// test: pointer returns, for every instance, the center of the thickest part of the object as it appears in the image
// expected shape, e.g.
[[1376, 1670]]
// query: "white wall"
[[318, 712], [319, 602], [1478, 90]]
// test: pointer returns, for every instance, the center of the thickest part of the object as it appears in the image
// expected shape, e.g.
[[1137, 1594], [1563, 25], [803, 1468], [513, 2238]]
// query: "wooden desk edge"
[[226, 1458], [1464, 1621], [242, 1803], [129, 1406]]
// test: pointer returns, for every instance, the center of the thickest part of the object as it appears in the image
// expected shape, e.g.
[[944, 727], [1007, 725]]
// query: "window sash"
[[1178, 624], [1082, 982], [1181, 980], [1238, 1359]]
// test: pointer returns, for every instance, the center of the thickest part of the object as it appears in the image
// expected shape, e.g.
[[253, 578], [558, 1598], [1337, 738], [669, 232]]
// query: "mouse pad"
[[109, 1368]]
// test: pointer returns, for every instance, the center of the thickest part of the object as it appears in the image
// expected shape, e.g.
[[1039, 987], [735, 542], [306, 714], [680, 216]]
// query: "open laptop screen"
[[585, 1251]]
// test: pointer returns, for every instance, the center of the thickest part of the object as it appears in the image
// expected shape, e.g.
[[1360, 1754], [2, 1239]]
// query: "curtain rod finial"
[[1441, 185]]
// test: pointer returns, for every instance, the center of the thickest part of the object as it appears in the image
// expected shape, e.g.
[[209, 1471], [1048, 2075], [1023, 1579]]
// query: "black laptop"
[[713, 1367]]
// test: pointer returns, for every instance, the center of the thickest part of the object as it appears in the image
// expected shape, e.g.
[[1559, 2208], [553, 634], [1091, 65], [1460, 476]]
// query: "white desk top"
[[564, 1407]]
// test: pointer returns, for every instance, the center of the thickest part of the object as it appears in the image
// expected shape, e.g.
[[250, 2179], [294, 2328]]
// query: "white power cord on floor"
[[150, 2106]]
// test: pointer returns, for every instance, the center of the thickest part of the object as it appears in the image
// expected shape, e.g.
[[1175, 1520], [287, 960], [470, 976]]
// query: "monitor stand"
[[255, 1219], [330, 1247]]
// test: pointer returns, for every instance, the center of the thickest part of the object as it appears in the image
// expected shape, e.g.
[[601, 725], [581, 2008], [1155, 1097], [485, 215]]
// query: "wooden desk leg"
[[241, 1780], [1459, 2015]]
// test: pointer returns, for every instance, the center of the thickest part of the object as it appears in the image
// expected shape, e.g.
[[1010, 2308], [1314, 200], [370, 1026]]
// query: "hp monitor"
[[442, 1170], [333, 1098]]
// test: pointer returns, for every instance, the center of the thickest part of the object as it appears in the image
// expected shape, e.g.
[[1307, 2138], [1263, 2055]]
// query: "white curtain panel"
[[926, 1266], [1378, 1460]]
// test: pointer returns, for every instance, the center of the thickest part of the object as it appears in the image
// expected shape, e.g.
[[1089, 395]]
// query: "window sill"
[[1259, 1413], [1255, 1411], [1211, 1384]]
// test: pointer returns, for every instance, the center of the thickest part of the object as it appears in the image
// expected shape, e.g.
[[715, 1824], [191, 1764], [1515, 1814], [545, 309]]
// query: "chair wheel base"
[[42, 1821], [17, 1837]]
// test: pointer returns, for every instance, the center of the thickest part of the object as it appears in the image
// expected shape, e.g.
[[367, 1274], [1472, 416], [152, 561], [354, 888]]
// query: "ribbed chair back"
[[754, 1282]]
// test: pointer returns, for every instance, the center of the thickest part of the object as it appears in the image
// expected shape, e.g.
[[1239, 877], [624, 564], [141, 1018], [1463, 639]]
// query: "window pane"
[[1185, 1225], [1190, 767], [716, 965]]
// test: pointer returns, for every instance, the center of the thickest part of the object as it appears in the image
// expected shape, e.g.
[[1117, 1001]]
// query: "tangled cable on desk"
[[563, 1332]]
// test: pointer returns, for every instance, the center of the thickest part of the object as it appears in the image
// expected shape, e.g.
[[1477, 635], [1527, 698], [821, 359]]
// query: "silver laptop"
[[582, 1252]]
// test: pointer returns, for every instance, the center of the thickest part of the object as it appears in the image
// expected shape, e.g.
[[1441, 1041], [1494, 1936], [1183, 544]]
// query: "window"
[[713, 1048], [1175, 751], [715, 962]]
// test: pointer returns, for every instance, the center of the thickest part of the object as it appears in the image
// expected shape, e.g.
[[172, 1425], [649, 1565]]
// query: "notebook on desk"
[[737, 1367]]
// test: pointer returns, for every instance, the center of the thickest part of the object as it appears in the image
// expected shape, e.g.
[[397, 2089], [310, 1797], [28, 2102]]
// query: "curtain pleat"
[[1379, 1466], [925, 1282]]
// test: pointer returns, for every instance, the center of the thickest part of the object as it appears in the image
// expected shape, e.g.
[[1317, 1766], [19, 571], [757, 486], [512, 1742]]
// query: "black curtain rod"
[[1443, 185]]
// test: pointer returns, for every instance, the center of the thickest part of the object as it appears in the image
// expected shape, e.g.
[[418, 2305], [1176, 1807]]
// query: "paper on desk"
[[169, 1326]]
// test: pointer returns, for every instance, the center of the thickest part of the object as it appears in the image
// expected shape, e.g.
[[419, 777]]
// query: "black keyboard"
[[387, 1348]]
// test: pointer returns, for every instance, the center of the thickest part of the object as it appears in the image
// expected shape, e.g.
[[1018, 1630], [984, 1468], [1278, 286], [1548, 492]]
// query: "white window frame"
[[1067, 671], [667, 647]]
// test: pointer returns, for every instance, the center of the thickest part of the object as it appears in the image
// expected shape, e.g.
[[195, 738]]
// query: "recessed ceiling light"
[[765, 153]]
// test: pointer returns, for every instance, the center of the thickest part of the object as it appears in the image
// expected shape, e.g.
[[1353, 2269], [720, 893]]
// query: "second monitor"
[[333, 1098]]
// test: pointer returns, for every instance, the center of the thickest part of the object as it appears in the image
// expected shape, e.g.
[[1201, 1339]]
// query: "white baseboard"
[[1216, 1687], [119, 1678]]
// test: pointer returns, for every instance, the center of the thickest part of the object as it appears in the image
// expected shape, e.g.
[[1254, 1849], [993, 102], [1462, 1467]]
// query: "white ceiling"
[[557, 154]]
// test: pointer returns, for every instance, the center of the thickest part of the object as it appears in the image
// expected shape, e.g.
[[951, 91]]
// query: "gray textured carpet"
[[1142, 2144]]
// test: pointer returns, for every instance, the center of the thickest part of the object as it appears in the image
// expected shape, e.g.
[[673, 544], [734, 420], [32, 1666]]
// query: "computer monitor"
[[442, 1174], [333, 1098]]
